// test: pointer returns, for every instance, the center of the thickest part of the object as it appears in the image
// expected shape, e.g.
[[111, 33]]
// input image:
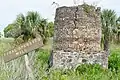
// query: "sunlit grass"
[[85, 72], [5, 44]]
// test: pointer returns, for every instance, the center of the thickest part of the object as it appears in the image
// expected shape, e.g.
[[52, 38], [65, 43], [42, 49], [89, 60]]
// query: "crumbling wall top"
[[77, 28]]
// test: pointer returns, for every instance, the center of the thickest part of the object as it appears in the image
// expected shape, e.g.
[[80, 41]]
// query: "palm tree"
[[50, 29], [118, 29], [28, 27], [108, 19], [32, 25], [0, 34], [21, 27], [33, 20], [20, 24], [43, 29], [38, 25]]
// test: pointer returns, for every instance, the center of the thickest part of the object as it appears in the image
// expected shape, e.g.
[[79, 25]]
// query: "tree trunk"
[[106, 44], [118, 36]]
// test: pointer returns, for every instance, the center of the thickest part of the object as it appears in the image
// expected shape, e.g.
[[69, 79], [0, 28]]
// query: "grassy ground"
[[83, 72], [5, 44]]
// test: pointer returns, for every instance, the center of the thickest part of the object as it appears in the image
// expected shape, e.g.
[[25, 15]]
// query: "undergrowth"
[[84, 71]]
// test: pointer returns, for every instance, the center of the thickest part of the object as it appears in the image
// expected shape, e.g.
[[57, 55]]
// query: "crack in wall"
[[75, 21], [75, 17]]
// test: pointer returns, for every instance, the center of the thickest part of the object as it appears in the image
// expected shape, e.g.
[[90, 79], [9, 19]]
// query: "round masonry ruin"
[[77, 37]]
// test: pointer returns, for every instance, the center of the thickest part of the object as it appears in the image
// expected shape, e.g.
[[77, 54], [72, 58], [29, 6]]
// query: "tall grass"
[[5, 44], [84, 71]]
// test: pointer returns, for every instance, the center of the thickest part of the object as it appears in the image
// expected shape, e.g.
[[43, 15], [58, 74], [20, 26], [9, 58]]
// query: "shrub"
[[42, 57], [114, 61], [89, 69]]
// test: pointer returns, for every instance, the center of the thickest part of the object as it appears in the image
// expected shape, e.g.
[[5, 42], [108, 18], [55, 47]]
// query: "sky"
[[9, 9]]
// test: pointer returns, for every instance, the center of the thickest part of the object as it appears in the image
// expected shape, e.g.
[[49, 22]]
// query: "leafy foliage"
[[29, 26], [9, 31], [87, 8], [108, 19], [118, 29], [84, 71], [89, 68], [114, 61], [0, 34]]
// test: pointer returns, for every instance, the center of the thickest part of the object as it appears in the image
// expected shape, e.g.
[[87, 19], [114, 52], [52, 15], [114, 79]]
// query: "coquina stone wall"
[[77, 37]]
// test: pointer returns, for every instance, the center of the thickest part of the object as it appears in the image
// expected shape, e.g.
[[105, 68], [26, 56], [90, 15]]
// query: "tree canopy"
[[29, 26], [109, 26]]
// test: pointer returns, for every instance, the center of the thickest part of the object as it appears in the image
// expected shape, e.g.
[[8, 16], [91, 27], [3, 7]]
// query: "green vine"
[[86, 7]]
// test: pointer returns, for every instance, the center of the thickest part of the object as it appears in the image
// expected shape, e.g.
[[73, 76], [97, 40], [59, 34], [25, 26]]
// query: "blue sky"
[[10, 8]]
